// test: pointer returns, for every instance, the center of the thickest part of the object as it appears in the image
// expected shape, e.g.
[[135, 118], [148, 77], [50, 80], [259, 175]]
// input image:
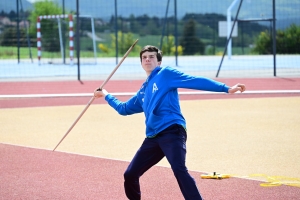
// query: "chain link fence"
[[86, 39]]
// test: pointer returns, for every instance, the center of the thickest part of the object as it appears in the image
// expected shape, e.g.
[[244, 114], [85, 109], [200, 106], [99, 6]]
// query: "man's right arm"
[[129, 107], [98, 93]]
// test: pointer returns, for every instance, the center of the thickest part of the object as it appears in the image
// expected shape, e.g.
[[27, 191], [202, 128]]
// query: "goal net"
[[56, 42]]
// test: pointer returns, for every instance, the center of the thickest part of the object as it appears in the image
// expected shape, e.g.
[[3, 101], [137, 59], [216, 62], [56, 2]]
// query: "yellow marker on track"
[[215, 176], [271, 181]]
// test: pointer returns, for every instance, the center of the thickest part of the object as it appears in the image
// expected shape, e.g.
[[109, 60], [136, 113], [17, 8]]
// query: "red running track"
[[28, 173], [67, 87]]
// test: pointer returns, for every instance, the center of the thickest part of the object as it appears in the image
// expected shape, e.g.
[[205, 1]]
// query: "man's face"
[[149, 62]]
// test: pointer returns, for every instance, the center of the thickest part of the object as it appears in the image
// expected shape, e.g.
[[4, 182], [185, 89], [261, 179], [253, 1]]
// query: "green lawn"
[[86, 46], [12, 52]]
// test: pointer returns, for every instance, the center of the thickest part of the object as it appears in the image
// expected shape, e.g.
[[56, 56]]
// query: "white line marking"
[[133, 93]]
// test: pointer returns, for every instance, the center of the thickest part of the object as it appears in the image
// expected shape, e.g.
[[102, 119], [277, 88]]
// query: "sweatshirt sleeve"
[[178, 79], [129, 107]]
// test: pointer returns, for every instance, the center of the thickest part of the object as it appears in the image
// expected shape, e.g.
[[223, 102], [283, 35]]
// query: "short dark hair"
[[150, 48]]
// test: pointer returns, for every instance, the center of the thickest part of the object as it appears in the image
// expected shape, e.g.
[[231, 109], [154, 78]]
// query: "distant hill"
[[250, 8], [8, 5], [287, 11]]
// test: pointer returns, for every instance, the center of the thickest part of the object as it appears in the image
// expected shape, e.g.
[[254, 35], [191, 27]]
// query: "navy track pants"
[[171, 143]]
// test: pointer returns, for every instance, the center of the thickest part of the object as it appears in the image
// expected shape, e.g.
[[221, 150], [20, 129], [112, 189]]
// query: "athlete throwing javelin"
[[165, 124]]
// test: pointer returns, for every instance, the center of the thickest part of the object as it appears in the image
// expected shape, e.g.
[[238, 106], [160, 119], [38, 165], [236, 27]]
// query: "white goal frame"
[[71, 35]]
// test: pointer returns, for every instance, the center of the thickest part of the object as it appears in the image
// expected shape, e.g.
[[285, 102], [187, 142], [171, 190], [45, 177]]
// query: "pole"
[[63, 34], [27, 32], [229, 28], [93, 98], [176, 32], [18, 31], [94, 40], [274, 37], [116, 29], [78, 40], [60, 38], [163, 29], [229, 38], [242, 34]]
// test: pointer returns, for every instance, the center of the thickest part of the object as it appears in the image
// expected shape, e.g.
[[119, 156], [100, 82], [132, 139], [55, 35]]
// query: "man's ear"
[[159, 63]]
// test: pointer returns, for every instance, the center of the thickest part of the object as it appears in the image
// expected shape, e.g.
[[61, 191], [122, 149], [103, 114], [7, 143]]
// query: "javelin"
[[100, 88]]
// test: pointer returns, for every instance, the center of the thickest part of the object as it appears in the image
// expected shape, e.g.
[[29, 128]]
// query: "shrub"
[[125, 40], [287, 41], [189, 41], [10, 38], [168, 46], [179, 50], [103, 48]]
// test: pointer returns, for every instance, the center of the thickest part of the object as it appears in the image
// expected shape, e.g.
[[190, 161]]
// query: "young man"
[[165, 125]]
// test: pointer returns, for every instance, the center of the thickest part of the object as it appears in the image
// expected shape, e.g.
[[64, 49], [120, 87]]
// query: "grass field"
[[86, 46]]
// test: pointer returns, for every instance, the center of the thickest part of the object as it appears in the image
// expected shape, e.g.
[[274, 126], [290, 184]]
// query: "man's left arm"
[[179, 79]]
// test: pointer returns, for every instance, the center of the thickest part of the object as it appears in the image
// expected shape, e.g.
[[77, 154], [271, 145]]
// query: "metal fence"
[[85, 39]]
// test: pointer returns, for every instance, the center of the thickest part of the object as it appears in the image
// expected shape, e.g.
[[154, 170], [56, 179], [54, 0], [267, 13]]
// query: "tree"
[[135, 27], [12, 15], [9, 37], [190, 43], [49, 27], [125, 40], [287, 41], [168, 46]]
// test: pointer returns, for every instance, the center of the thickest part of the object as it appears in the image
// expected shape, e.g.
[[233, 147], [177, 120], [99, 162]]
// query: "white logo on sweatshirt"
[[154, 88]]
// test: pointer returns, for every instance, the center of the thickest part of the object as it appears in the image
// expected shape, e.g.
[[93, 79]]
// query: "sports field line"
[[133, 93]]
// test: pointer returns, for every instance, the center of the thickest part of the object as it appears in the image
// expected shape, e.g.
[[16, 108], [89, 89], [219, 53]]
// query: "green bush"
[[169, 48], [287, 41], [190, 43], [9, 37], [125, 40]]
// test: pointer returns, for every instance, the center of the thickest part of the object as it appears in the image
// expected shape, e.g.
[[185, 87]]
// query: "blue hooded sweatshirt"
[[158, 98]]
